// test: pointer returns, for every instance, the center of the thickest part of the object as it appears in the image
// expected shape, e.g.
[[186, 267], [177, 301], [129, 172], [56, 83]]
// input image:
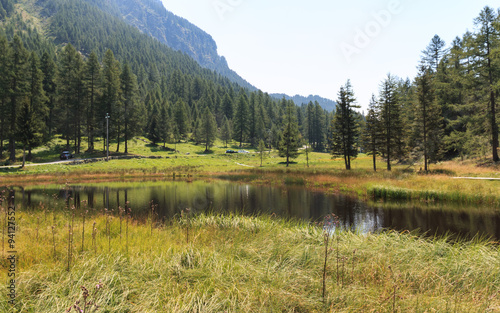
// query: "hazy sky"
[[313, 47]]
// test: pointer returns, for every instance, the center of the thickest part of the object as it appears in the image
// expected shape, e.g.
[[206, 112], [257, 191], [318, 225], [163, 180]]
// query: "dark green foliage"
[[241, 119], [290, 136], [428, 118], [390, 116], [208, 129], [345, 126], [17, 64], [181, 119], [372, 136], [226, 132], [130, 109]]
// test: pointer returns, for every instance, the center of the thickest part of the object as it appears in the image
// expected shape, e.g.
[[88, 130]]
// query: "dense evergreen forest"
[[86, 64]]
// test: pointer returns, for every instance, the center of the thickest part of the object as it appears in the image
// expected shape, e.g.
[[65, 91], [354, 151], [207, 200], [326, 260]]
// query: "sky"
[[314, 47]]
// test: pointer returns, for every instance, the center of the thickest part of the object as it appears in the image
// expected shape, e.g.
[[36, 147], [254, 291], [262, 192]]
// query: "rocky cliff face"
[[151, 17]]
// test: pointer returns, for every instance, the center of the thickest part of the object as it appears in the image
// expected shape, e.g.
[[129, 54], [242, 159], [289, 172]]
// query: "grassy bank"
[[323, 173], [242, 264]]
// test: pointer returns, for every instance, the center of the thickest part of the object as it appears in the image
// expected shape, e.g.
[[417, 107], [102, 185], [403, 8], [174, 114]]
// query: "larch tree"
[[241, 119], [428, 117], [345, 126], [372, 134], [434, 52], [130, 109], [16, 70], [92, 77], [290, 137], [390, 116], [208, 129], [37, 102], [488, 67]]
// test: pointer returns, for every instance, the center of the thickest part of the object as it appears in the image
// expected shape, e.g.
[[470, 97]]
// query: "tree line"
[[449, 110]]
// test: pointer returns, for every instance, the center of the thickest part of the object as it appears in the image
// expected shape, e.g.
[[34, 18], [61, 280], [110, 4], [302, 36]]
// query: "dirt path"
[[477, 178]]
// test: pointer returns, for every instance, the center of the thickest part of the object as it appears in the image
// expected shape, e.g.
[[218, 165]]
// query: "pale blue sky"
[[313, 47]]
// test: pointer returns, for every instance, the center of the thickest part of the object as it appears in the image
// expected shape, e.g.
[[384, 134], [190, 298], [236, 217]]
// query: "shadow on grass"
[[11, 170], [159, 148]]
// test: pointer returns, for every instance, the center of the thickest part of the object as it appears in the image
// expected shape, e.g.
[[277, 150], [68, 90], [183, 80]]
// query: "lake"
[[169, 198]]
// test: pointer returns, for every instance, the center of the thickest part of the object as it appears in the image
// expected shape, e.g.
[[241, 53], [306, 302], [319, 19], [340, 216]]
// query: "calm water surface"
[[169, 198]]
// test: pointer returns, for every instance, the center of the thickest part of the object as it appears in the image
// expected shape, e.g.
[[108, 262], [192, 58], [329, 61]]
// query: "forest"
[[92, 65]]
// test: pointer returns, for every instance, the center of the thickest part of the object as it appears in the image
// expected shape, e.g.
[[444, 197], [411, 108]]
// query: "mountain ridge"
[[325, 103]]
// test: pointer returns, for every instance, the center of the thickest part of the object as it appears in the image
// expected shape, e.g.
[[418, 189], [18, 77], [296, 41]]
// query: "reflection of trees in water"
[[293, 202]]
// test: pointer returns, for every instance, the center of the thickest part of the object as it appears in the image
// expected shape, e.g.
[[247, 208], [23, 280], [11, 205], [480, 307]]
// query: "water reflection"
[[170, 198]]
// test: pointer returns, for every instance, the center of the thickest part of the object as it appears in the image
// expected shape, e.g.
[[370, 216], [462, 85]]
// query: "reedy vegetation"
[[252, 264]]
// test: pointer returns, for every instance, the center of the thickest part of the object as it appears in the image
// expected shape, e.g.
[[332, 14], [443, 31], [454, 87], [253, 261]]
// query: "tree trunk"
[[24, 156], [494, 127]]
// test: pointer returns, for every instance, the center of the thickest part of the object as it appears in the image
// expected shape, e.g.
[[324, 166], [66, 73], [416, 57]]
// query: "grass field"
[[404, 182], [240, 264]]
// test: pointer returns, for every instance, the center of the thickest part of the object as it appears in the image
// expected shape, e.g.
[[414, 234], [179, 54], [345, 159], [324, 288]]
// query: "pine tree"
[[37, 102], [428, 117], [27, 128], [17, 69], [49, 70], [181, 119], [4, 89], [241, 119], [67, 80], [344, 135], [165, 124], [488, 68], [262, 148], [226, 132], [154, 131], [92, 78], [208, 129], [433, 53], [390, 116], [290, 138], [227, 106], [111, 99], [372, 134], [131, 121]]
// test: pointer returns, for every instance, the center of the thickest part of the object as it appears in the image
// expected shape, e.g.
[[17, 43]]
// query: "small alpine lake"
[[167, 199]]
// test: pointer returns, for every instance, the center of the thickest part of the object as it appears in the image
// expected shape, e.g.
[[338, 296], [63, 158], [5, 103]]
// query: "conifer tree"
[[208, 129], [433, 53], [226, 131], [488, 68], [37, 103], [428, 117], [241, 119], [181, 119], [344, 135], [17, 69], [372, 132], [111, 98], [390, 116], [290, 136], [4, 89], [92, 77], [49, 70], [131, 120]]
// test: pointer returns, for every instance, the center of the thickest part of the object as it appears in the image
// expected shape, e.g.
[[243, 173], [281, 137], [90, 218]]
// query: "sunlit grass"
[[244, 264]]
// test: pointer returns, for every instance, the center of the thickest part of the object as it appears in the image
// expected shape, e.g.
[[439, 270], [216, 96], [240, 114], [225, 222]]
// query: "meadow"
[[100, 261], [444, 182]]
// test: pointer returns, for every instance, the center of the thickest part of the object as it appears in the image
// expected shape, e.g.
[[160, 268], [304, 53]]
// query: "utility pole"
[[107, 136]]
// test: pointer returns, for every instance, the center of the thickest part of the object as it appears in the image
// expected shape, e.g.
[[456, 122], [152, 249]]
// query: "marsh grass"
[[248, 264]]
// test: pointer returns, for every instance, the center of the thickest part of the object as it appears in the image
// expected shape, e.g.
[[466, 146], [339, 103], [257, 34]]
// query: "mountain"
[[151, 18], [326, 104]]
